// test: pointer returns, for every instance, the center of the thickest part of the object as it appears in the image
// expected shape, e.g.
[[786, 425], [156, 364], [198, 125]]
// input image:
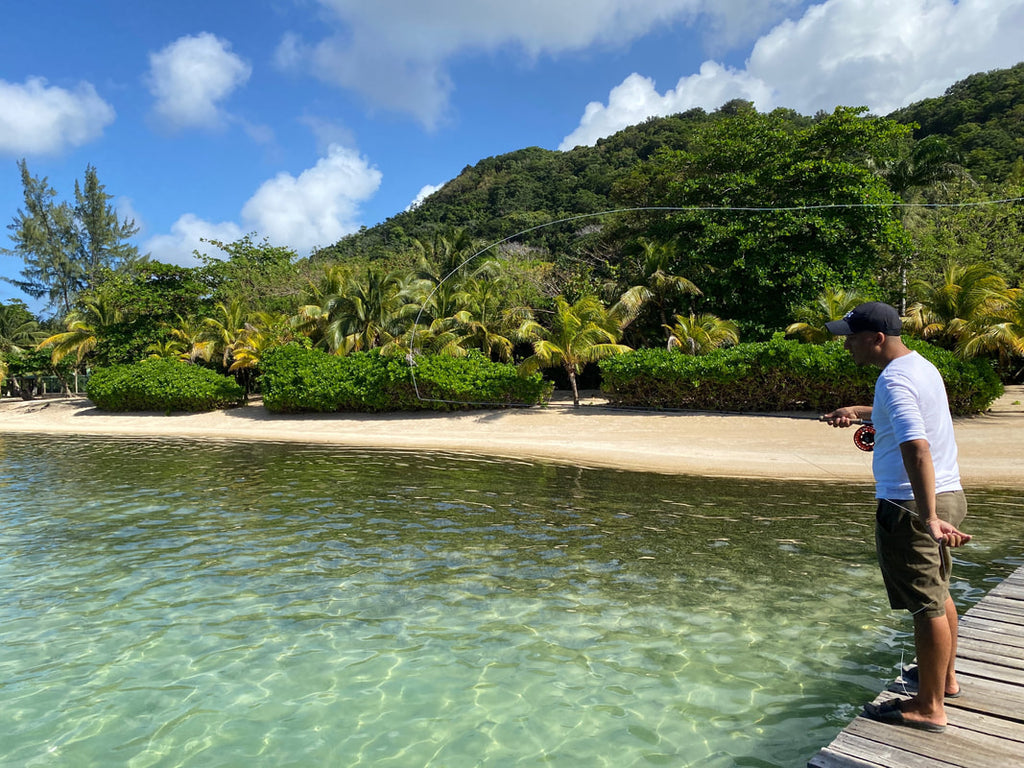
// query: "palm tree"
[[484, 318], [18, 331], [192, 338], [659, 281], [580, 333], [373, 310], [831, 304], [85, 327], [1002, 333], [263, 331], [950, 311], [167, 348], [443, 336], [445, 255], [222, 332], [699, 334], [916, 167], [312, 317]]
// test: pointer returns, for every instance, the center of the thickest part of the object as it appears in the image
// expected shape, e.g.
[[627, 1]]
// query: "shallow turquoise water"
[[174, 603]]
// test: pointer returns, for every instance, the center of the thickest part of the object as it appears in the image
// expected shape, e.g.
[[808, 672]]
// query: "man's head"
[[872, 316], [872, 332]]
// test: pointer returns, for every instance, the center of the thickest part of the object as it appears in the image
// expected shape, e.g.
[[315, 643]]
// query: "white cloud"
[[636, 99], [36, 118], [395, 52], [186, 236], [191, 77], [426, 191], [317, 207], [125, 208], [883, 54]]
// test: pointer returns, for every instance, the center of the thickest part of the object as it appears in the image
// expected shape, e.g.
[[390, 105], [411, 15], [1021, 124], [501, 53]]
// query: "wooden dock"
[[986, 724]]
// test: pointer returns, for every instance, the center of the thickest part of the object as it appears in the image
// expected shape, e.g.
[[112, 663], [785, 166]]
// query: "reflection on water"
[[175, 603]]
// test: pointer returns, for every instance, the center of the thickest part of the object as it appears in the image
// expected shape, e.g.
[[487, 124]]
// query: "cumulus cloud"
[[636, 99], [882, 54], [395, 52], [37, 118], [885, 54], [191, 77], [315, 208], [318, 206], [423, 194], [186, 236]]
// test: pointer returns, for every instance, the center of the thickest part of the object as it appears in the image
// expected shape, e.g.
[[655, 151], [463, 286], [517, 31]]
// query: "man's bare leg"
[[934, 645], [954, 628]]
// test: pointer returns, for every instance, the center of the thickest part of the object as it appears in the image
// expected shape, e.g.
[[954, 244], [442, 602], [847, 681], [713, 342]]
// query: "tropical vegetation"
[[689, 240], [295, 379], [778, 375], [162, 385]]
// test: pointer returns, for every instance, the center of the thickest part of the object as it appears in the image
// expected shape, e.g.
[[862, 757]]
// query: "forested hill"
[[982, 116], [508, 193]]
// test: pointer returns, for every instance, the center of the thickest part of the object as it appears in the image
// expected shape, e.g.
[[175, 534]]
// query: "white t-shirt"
[[911, 404]]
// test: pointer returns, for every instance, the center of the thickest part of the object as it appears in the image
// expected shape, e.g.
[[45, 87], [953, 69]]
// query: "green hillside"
[[983, 118]]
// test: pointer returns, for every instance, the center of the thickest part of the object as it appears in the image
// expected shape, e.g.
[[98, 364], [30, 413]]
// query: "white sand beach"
[[780, 446]]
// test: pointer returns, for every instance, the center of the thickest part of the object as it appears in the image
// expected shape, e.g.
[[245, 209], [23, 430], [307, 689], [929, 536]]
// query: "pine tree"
[[64, 247]]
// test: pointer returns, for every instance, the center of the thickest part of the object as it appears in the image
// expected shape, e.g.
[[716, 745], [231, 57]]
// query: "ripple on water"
[[224, 605]]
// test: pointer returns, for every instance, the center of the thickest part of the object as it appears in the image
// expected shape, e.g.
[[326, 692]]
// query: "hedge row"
[[294, 380], [162, 385], [778, 375]]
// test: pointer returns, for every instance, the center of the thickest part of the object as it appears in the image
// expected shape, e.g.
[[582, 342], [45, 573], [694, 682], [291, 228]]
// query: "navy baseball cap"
[[874, 316]]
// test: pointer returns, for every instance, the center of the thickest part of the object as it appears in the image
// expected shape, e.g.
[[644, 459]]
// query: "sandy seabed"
[[778, 446]]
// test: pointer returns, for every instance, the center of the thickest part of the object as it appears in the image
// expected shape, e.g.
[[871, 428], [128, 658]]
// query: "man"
[[920, 502]]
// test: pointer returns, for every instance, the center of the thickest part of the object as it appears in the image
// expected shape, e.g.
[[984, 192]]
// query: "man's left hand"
[[946, 533]]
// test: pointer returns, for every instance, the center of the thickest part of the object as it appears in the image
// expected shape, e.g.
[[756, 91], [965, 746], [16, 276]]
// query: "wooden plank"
[[1003, 639], [1009, 590], [1017, 577], [986, 724], [957, 746], [861, 751], [999, 603], [991, 698], [1010, 731], [981, 624], [968, 648], [973, 668], [995, 613], [829, 758]]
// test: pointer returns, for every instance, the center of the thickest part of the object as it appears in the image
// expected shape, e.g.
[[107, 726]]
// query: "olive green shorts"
[[915, 568]]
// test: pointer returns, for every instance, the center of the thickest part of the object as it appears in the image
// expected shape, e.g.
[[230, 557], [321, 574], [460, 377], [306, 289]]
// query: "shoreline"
[[787, 446]]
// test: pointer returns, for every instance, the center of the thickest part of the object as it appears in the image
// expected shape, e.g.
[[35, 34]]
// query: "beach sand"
[[778, 446]]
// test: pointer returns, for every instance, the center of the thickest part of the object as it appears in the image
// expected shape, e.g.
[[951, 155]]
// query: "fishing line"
[[410, 356]]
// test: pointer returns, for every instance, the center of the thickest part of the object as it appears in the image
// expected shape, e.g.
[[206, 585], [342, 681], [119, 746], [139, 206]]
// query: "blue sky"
[[302, 120]]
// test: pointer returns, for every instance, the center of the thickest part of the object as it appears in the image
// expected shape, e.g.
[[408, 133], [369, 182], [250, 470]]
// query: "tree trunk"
[[575, 391]]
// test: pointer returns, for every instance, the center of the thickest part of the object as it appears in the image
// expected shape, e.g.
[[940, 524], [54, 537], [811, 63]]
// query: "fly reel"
[[864, 438]]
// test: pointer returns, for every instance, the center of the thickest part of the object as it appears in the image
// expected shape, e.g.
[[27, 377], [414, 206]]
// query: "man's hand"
[[842, 417], [946, 533]]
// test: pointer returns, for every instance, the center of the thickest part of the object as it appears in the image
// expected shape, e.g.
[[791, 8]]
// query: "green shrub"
[[162, 385], [294, 380], [778, 375]]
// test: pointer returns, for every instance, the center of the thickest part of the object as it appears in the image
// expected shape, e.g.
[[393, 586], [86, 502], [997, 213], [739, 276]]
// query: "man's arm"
[[917, 459], [844, 417]]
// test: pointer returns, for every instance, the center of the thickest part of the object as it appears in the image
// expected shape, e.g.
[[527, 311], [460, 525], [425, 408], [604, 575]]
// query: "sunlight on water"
[[173, 603]]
